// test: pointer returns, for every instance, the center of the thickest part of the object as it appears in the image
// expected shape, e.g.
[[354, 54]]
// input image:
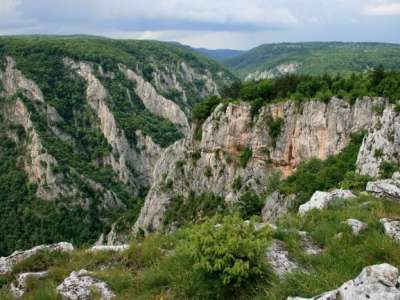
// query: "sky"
[[234, 24]]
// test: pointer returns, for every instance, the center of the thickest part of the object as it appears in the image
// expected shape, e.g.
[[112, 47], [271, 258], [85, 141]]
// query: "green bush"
[[244, 156], [275, 129], [354, 181], [250, 204], [228, 251], [387, 169]]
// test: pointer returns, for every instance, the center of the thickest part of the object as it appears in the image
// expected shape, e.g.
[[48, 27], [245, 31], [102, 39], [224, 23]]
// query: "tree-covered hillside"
[[317, 58]]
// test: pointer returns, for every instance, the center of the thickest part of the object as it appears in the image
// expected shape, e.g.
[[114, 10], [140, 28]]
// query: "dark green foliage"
[[317, 58], [204, 109], [275, 129], [237, 183], [192, 209], [355, 181], [244, 156], [387, 168], [320, 175], [250, 204]]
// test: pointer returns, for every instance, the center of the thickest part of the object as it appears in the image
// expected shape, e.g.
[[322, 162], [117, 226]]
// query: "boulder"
[[276, 205], [7, 263], [356, 225], [117, 248], [279, 259], [389, 188], [321, 200], [18, 287], [378, 282], [80, 285], [392, 228]]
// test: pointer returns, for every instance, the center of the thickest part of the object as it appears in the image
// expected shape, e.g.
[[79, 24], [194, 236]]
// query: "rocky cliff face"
[[218, 164]]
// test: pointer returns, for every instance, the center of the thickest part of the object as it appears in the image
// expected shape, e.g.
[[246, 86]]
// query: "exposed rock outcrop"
[[279, 259], [309, 246], [389, 188], [378, 282], [211, 165], [392, 228], [280, 70], [7, 263], [18, 287], [382, 142], [156, 103], [356, 225], [110, 248], [321, 200], [124, 157], [276, 205], [80, 285]]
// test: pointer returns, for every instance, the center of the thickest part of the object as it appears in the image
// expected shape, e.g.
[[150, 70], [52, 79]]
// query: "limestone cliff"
[[214, 164]]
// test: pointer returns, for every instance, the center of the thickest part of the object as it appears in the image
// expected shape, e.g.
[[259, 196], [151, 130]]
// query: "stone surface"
[[309, 246], [7, 263], [279, 259], [272, 73], [378, 282], [276, 205], [320, 200], [79, 286], [389, 188], [114, 248], [392, 228], [317, 130], [382, 142], [18, 287], [356, 225]]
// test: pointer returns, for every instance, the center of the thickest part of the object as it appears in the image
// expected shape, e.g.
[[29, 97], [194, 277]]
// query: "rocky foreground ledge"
[[378, 282]]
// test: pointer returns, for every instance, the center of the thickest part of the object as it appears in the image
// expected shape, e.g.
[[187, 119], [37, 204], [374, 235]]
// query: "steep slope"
[[318, 58], [238, 153], [87, 120]]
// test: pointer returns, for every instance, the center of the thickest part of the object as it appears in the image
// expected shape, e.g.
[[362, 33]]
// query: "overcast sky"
[[237, 24]]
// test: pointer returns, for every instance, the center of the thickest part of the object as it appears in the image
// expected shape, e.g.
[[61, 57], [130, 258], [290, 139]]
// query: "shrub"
[[237, 183], [354, 181], [275, 129], [244, 157], [228, 251], [249, 204], [387, 168]]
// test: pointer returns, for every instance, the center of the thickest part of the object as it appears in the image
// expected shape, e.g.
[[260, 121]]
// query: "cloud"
[[382, 9]]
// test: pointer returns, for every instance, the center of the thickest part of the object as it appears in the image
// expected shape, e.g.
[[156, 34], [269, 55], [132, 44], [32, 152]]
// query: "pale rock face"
[[316, 130], [272, 73], [124, 157], [116, 248], [279, 259], [389, 188], [18, 288], [276, 205], [378, 282], [381, 144], [79, 286], [392, 228], [113, 238], [14, 81], [156, 103], [7, 263], [320, 200], [356, 225]]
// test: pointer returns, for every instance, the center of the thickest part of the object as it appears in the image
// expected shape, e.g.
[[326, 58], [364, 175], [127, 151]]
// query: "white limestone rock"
[[18, 287], [279, 259], [378, 282], [392, 228], [356, 225], [115, 248], [383, 138], [276, 205], [79, 286], [7, 263], [320, 200], [385, 188]]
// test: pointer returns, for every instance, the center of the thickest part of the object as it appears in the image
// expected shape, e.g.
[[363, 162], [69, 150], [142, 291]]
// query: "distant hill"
[[269, 60], [219, 54]]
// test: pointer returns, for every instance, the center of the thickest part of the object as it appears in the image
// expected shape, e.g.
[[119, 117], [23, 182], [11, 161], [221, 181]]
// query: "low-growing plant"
[[244, 156], [387, 169]]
